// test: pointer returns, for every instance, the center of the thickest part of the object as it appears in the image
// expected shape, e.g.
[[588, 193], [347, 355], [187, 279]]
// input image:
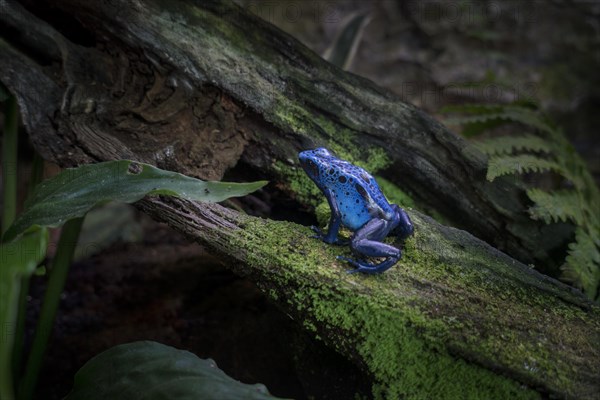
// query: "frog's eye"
[[311, 168], [322, 151]]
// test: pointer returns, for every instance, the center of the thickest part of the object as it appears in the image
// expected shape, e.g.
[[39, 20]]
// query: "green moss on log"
[[378, 320]]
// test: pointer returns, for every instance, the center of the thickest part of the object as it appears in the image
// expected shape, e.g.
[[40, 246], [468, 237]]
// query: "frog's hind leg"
[[367, 242], [367, 268]]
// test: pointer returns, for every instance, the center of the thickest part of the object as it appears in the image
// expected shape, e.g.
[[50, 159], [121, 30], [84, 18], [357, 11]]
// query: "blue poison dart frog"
[[357, 203]]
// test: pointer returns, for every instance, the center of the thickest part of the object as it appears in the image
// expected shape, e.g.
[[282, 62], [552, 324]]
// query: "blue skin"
[[357, 203]]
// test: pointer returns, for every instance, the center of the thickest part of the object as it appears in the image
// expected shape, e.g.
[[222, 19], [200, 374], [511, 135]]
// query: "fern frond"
[[471, 129], [505, 165], [508, 145], [473, 109], [560, 205], [530, 118], [505, 113], [582, 266], [477, 119], [579, 205]]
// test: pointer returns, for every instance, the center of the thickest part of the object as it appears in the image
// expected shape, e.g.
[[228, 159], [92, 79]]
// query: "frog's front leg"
[[335, 221], [367, 242]]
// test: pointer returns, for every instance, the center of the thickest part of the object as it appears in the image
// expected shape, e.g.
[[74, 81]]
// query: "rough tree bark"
[[201, 87]]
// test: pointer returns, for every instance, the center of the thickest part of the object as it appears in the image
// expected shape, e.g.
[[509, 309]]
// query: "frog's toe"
[[316, 230], [329, 239], [318, 234], [360, 267], [366, 268], [349, 260]]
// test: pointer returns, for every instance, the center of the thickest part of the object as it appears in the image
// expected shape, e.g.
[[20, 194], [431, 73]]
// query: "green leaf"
[[344, 47], [504, 165], [150, 370], [73, 192], [507, 145], [560, 205], [18, 259]]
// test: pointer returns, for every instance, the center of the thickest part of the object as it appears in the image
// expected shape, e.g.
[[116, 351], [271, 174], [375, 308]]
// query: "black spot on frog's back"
[[342, 179]]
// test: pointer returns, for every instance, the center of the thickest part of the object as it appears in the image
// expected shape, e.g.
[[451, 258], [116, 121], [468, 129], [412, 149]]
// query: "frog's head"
[[314, 162]]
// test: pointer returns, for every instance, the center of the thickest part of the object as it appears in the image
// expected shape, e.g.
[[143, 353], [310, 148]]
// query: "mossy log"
[[455, 318], [202, 87]]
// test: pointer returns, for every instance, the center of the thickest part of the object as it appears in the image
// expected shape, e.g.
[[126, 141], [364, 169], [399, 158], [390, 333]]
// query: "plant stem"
[[37, 172], [9, 163], [9, 210], [56, 284], [17, 356], [8, 320]]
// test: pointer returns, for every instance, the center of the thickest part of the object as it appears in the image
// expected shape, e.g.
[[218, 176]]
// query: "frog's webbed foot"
[[367, 268], [367, 243], [351, 261], [329, 239]]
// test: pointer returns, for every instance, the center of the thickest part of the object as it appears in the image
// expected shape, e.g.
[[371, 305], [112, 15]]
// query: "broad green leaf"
[[17, 260], [150, 370], [73, 192]]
